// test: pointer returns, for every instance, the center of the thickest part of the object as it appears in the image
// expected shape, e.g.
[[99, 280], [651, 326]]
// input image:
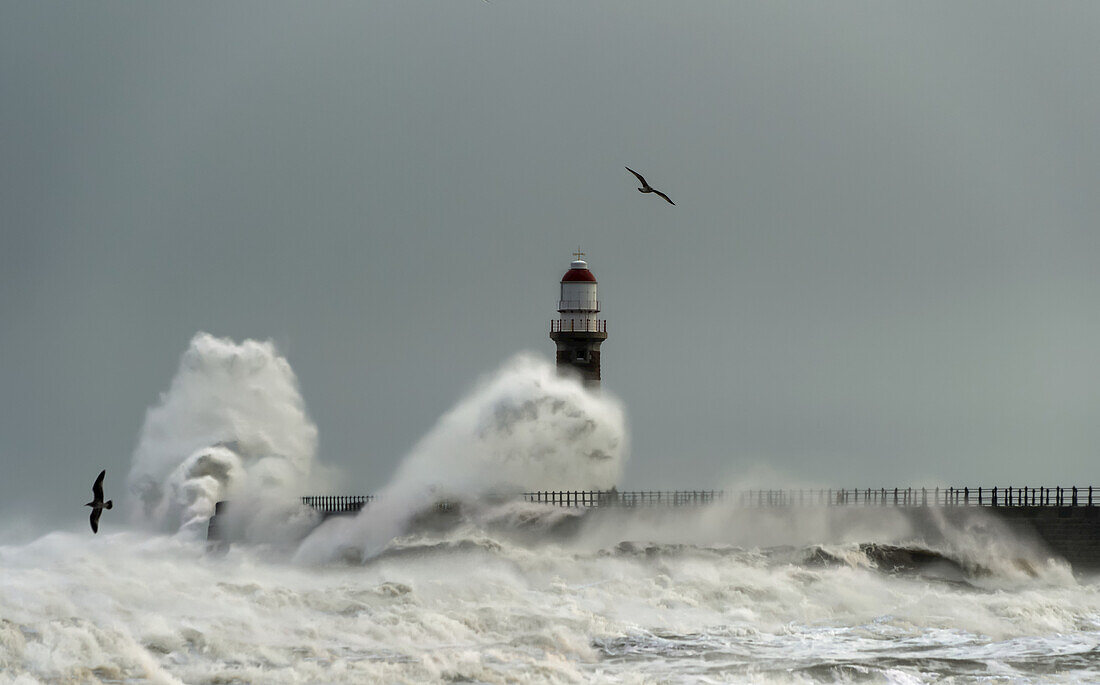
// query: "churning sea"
[[505, 596], [502, 591]]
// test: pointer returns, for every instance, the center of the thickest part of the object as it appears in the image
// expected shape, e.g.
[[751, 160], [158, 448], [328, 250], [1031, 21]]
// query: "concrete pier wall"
[[1067, 531], [1071, 533]]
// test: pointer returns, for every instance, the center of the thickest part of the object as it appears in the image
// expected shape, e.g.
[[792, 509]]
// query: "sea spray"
[[449, 606], [525, 427], [232, 424], [468, 604]]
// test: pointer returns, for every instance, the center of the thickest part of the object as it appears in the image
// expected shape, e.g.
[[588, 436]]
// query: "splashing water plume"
[[526, 427], [232, 424]]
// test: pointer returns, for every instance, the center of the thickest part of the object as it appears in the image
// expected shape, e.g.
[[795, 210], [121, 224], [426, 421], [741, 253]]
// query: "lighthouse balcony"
[[578, 325]]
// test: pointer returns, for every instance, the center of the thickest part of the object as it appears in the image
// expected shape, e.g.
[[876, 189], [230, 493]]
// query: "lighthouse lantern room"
[[578, 331]]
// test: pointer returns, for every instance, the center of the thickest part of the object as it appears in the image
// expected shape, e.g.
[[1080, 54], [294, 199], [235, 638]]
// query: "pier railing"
[[1009, 496], [614, 498], [951, 496], [337, 504]]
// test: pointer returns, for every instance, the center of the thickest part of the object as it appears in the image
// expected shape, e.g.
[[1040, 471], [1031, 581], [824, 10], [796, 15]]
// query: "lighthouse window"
[[582, 356]]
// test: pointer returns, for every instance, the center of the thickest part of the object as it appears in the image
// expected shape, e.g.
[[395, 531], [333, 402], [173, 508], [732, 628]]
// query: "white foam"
[[524, 427], [696, 598], [231, 424], [468, 606]]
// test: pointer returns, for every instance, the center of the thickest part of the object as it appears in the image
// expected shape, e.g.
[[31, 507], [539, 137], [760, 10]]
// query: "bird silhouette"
[[97, 504], [646, 188]]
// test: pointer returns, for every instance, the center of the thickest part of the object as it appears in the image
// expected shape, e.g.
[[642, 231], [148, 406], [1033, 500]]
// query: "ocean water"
[[495, 590], [531, 595]]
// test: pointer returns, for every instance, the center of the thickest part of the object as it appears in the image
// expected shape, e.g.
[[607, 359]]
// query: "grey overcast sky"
[[882, 269]]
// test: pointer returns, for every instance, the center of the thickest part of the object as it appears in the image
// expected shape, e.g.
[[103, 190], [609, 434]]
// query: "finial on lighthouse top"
[[579, 262], [578, 270]]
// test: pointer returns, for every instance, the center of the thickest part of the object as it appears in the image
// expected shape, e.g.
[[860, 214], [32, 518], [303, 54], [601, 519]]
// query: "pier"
[[995, 497], [1065, 520]]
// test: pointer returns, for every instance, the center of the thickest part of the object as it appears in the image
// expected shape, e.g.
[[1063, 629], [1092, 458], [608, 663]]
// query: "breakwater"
[[1057, 496], [1063, 521]]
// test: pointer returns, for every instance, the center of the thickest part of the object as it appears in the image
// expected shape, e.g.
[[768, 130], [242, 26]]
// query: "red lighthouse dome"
[[578, 273]]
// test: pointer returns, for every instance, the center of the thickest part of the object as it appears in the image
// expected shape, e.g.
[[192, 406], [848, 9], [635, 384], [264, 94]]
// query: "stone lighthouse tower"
[[578, 330]]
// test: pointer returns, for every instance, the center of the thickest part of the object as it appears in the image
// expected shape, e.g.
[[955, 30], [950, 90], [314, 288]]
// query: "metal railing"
[[337, 504], [578, 325], [950, 496], [1011, 496], [614, 498]]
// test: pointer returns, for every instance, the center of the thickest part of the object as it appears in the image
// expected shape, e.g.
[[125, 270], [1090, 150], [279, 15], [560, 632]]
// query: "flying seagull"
[[97, 504], [646, 187]]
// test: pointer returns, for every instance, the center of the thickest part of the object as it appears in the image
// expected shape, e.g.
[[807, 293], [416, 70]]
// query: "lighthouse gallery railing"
[[578, 325]]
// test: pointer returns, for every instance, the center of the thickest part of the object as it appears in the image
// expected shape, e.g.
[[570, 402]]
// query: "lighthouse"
[[578, 330]]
